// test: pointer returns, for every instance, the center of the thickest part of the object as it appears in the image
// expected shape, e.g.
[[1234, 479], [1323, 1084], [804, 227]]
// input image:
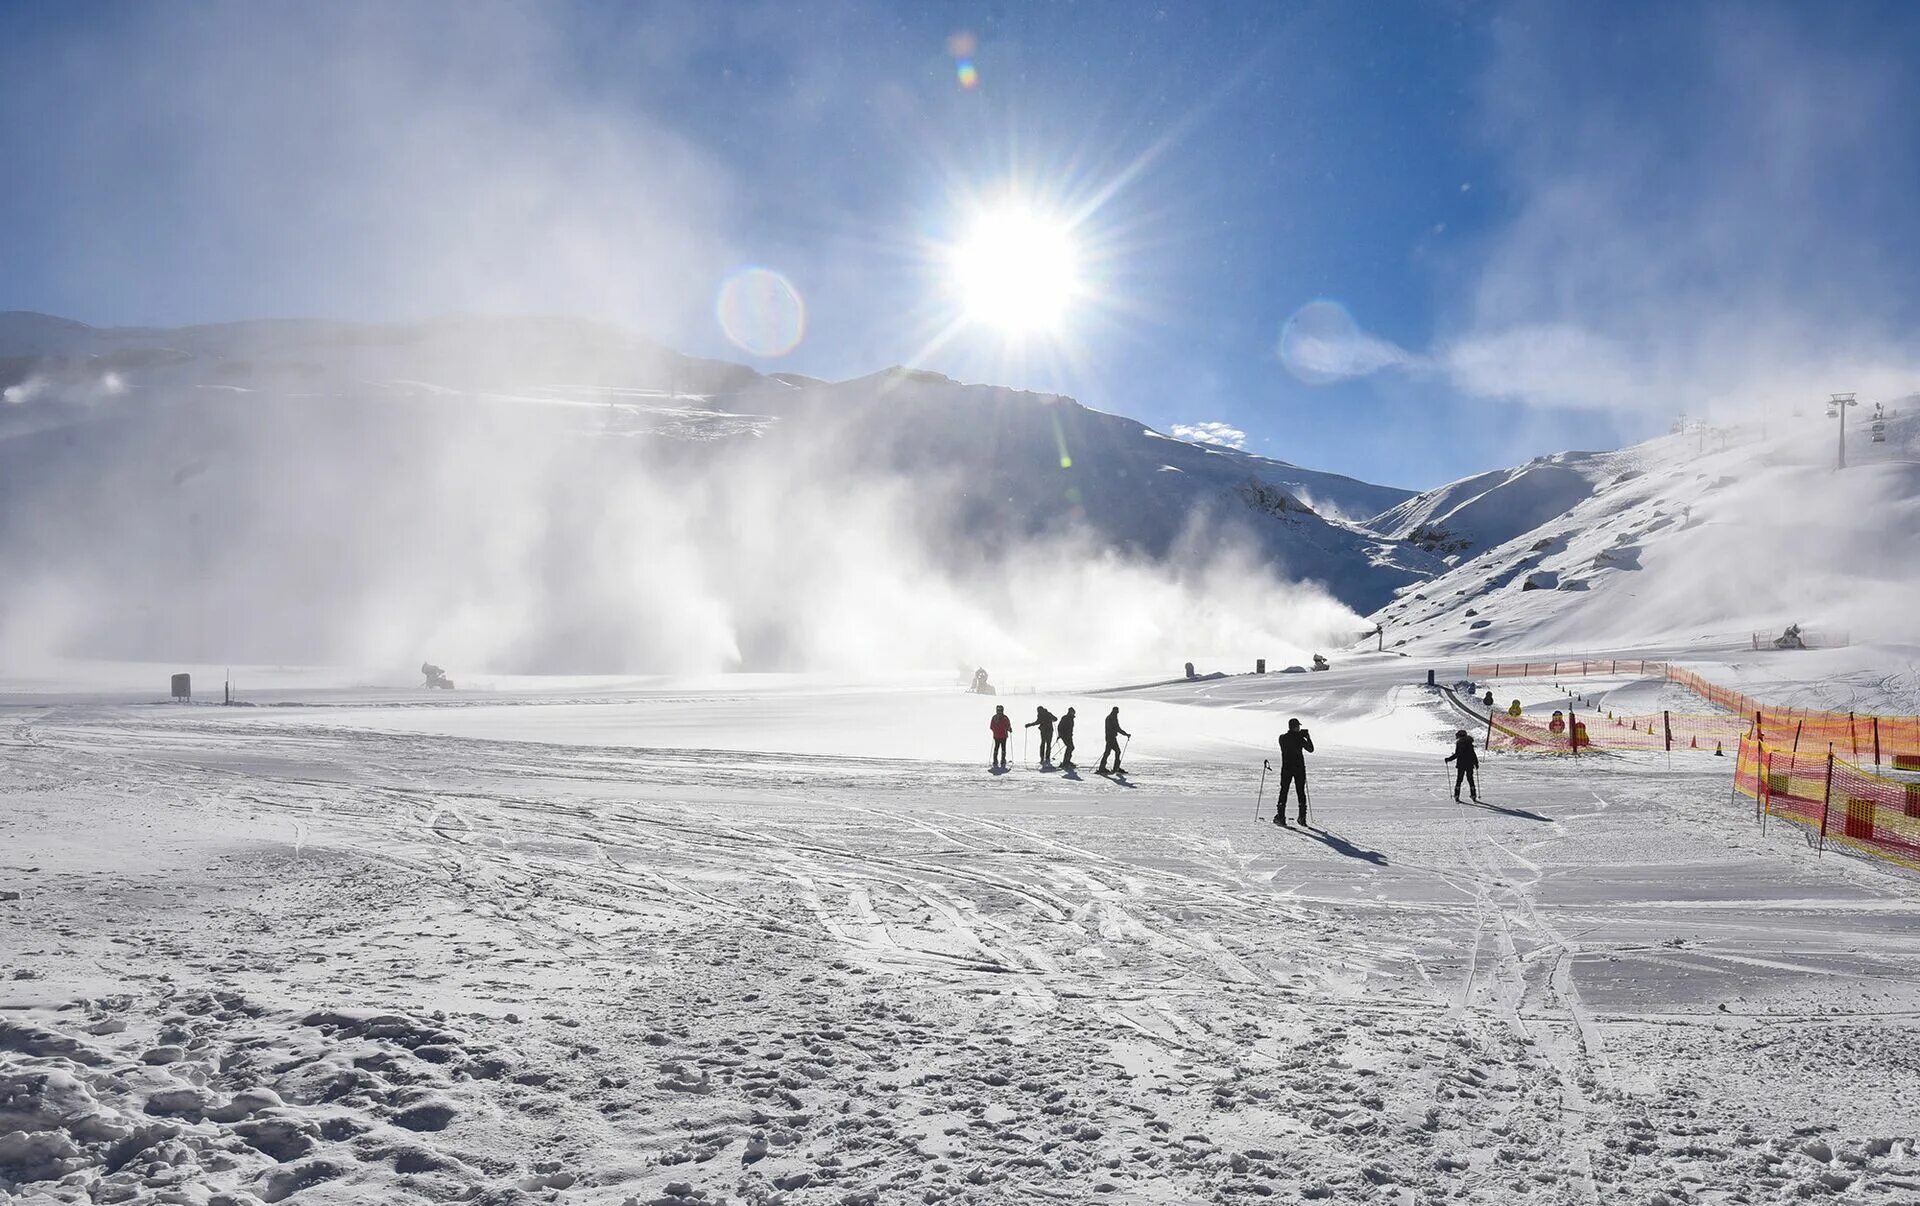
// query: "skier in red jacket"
[[1001, 726]]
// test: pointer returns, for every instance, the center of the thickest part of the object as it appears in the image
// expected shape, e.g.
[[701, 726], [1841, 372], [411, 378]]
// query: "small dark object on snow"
[[435, 676], [182, 686]]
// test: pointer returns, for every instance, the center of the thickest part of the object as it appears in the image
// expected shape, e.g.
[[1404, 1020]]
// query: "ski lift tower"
[[1837, 405]]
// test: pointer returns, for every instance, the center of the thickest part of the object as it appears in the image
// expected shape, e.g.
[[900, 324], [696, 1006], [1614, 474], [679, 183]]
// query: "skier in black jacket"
[[1043, 720], [1114, 734], [1465, 760], [1066, 741], [1295, 744]]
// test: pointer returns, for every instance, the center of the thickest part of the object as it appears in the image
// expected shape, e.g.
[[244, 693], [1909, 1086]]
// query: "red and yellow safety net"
[[1883, 740], [1836, 801]]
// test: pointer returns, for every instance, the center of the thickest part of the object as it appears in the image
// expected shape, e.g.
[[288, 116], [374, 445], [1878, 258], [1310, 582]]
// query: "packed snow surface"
[[787, 940]]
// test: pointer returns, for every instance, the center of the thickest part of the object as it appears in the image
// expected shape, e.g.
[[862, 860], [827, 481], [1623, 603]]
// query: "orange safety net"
[[1833, 799], [1883, 740], [1677, 731]]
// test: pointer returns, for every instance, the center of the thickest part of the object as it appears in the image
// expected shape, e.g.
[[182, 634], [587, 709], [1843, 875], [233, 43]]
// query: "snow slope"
[[1021, 464], [1706, 535], [1487, 509], [427, 953]]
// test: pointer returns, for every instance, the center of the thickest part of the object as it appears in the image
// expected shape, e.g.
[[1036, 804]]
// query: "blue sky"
[[1543, 227]]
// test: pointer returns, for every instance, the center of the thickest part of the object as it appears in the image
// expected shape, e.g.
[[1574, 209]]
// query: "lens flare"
[[761, 312], [968, 73], [1322, 344]]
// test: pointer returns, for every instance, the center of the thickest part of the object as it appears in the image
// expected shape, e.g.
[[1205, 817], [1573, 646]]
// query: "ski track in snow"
[[325, 964]]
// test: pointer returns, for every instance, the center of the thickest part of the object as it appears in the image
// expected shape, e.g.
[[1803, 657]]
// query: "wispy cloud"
[[1223, 434], [1721, 251], [1322, 343]]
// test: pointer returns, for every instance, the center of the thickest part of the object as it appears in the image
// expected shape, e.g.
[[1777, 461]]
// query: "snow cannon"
[[435, 676], [1319, 662]]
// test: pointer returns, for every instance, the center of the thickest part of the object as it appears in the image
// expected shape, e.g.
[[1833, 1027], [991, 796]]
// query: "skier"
[[1114, 734], [1043, 720], [1295, 744], [1001, 726], [1465, 760], [1066, 741]]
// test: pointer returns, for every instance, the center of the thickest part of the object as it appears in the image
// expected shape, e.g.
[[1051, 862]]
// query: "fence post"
[[1876, 741], [1666, 721], [1573, 731], [1489, 746], [1826, 802], [1757, 734], [1853, 736]]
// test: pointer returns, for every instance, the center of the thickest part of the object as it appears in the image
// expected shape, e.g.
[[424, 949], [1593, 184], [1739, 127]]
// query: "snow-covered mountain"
[[1703, 534], [1021, 464], [1487, 509], [173, 463], [281, 482]]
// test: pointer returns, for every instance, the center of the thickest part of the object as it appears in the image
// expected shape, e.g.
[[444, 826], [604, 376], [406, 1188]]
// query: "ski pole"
[[1265, 766]]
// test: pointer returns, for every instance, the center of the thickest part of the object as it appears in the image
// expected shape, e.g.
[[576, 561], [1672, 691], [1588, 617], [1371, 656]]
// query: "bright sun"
[[1017, 271]]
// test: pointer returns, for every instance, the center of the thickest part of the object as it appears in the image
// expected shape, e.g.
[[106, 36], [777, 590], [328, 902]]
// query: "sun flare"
[[1017, 271]]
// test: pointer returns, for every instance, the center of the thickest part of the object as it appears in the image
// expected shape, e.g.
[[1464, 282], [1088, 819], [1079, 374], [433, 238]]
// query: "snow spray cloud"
[[316, 491], [582, 528]]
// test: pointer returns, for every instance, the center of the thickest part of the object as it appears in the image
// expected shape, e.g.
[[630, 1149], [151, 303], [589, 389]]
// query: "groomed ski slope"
[[791, 943]]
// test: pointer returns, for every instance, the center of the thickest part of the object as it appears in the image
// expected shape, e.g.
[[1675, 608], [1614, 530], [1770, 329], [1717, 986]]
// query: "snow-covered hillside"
[[1702, 534], [1021, 464], [1478, 512], [501, 490]]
